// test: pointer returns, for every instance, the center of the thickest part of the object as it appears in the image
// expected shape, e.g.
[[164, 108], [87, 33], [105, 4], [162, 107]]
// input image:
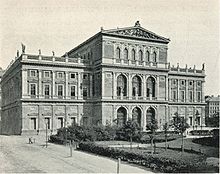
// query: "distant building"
[[1, 74], [113, 76], [212, 106]]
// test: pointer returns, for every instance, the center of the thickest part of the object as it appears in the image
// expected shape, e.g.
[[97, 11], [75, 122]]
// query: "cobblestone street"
[[16, 155]]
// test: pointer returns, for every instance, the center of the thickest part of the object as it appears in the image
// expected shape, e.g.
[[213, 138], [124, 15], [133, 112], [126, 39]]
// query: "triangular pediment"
[[136, 32]]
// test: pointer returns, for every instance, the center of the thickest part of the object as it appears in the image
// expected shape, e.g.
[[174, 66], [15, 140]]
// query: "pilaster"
[[67, 82], [129, 86], [144, 87], [53, 85], [103, 85], [79, 86], [187, 91], [24, 83], [90, 85], [167, 89], [194, 91], [40, 84], [158, 81]]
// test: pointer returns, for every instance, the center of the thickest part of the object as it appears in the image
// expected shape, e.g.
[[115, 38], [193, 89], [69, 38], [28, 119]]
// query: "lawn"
[[188, 144]]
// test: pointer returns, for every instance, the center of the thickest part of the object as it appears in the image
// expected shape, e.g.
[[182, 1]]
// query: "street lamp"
[[46, 124]]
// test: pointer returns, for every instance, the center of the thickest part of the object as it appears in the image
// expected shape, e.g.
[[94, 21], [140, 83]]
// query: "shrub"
[[200, 132], [208, 141], [155, 162], [56, 139]]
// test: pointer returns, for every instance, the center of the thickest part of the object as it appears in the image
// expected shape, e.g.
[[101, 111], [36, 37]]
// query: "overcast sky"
[[52, 25]]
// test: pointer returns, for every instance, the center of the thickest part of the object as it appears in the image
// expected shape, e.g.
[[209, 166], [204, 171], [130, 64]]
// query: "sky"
[[60, 25]]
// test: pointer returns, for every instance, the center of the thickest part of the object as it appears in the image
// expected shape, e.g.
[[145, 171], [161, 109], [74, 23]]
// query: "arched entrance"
[[121, 116], [150, 115], [136, 115]]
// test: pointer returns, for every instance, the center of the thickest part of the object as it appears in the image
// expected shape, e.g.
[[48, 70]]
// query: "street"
[[18, 156]]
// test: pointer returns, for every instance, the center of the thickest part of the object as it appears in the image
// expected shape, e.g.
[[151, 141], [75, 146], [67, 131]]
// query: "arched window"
[[118, 53], [136, 115], [88, 55], [121, 116], [150, 115], [154, 57], [121, 85], [125, 53], [140, 54], [132, 54], [136, 86], [148, 56], [150, 87]]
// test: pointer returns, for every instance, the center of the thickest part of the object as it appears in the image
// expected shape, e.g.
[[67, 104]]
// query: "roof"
[[214, 99], [134, 32]]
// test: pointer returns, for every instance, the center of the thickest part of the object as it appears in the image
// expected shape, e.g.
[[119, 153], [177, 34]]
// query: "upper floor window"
[[154, 57], [60, 75], [174, 95], [73, 91], [85, 76], [148, 56], [199, 96], [33, 89], [140, 55], [85, 91], [47, 90], [190, 83], [46, 74], [118, 53], [182, 95], [125, 53], [132, 54], [60, 90], [72, 75], [199, 83], [33, 73], [182, 82], [190, 96]]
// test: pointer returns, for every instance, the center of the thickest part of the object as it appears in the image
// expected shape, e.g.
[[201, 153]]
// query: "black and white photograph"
[[109, 86]]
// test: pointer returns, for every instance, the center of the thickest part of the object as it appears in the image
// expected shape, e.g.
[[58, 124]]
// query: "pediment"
[[136, 32]]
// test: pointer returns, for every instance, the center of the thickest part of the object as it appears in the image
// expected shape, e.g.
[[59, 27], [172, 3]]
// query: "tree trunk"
[[165, 141], [182, 143]]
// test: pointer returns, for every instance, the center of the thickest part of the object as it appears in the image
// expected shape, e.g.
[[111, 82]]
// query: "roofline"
[[83, 43]]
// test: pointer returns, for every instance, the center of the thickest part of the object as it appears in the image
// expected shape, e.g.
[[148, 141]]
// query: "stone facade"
[[113, 76], [212, 106]]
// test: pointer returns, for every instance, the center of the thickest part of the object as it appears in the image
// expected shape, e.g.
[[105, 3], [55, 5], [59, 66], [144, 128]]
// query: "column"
[[193, 119], [167, 88], [194, 91], [166, 114], [103, 85], [187, 91], [178, 87], [53, 85], [90, 85], [144, 119], [144, 87], [67, 84], [202, 92], [40, 94], [157, 88], [79, 84], [130, 86], [114, 85], [24, 83]]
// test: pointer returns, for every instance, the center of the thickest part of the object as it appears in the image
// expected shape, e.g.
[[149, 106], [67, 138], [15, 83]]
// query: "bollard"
[[71, 149], [118, 165]]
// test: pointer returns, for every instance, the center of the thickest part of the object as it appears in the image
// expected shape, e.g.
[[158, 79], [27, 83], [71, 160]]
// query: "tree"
[[165, 128], [180, 125], [152, 126], [131, 130]]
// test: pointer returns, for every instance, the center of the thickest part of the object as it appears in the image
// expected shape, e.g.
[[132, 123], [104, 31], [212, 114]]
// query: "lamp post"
[[46, 132]]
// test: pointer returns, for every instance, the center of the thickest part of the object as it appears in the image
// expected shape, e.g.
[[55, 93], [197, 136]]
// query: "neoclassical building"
[[113, 76]]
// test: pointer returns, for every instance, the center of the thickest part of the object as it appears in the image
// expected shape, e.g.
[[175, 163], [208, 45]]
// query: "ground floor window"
[[59, 122], [190, 121], [33, 125], [73, 120]]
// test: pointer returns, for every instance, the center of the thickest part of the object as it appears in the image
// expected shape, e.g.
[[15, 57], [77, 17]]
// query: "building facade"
[[212, 106], [113, 76]]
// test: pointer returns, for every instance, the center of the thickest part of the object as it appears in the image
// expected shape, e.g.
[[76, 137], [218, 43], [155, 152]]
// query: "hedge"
[[155, 162], [200, 132]]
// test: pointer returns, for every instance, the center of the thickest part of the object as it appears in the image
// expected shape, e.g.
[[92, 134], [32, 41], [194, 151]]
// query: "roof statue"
[[39, 51], [203, 66], [17, 53], [53, 53], [23, 48], [137, 24]]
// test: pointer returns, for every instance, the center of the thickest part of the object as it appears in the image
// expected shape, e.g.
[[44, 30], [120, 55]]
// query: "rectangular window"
[[47, 123], [174, 96], [47, 91], [182, 94], [46, 74], [199, 96], [85, 92], [60, 90], [85, 76], [190, 121], [72, 75], [60, 75], [33, 124], [59, 122], [33, 89], [33, 73], [73, 120], [73, 91], [190, 96]]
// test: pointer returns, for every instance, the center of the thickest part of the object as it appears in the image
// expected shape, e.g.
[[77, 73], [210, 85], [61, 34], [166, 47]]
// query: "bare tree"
[[152, 126]]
